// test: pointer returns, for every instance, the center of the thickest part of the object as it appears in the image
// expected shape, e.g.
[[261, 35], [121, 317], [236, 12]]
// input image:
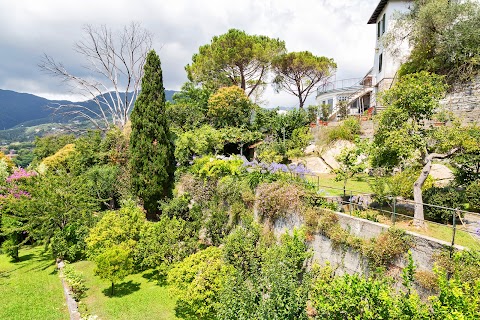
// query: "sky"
[[30, 28]]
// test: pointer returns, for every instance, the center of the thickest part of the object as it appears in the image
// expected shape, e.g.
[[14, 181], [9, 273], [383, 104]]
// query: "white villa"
[[361, 93]]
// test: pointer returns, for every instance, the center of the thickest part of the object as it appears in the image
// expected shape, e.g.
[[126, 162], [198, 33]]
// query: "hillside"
[[27, 109]]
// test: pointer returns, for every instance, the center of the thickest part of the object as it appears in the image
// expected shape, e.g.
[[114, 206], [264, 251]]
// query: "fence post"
[[350, 203], [454, 226], [394, 210]]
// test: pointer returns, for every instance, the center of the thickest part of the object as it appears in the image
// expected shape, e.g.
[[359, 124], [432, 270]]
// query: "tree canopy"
[[299, 72], [235, 58], [444, 37]]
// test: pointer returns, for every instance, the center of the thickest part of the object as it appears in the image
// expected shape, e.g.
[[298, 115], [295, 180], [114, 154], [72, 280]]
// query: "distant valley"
[[27, 109], [24, 116]]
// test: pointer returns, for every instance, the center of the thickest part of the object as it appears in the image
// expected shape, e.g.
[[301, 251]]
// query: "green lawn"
[[330, 187], [139, 296], [31, 289], [437, 231]]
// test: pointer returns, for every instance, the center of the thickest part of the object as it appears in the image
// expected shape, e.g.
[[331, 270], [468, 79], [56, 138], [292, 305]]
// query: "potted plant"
[[442, 117]]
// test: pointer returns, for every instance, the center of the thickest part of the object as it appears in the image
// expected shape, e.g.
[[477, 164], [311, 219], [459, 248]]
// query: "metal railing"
[[395, 211], [339, 84]]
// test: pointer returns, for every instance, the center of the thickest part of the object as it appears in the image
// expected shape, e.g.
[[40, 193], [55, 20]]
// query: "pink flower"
[[20, 174]]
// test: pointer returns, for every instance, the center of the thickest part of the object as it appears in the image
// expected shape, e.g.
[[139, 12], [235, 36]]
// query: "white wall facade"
[[386, 63]]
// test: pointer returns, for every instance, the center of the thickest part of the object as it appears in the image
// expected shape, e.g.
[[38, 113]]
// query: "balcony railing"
[[339, 85]]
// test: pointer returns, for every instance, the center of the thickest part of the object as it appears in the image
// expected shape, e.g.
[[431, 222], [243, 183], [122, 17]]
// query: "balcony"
[[352, 84]]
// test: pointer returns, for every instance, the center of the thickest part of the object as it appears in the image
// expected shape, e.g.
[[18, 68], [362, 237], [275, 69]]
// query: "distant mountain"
[[27, 109]]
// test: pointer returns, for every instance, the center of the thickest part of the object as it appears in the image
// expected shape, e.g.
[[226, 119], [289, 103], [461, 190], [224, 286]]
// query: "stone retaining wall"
[[464, 101], [350, 261]]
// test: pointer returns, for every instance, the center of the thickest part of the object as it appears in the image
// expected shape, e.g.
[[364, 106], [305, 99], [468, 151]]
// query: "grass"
[[330, 187], [139, 296], [437, 231], [31, 289]]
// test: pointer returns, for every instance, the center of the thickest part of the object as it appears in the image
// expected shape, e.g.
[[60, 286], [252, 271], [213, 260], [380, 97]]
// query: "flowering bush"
[[12, 189], [278, 198], [21, 173], [272, 168]]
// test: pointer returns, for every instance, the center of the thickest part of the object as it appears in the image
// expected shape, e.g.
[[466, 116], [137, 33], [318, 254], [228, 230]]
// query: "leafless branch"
[[116, 62]]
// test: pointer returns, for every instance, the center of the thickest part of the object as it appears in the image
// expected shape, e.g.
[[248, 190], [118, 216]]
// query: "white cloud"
[[335, 29]]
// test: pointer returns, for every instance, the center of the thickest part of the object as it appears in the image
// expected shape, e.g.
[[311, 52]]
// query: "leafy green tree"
[[350, 164], [235, 58], [151, 150], [189, 108], [285, 124], [165, 242], [299, 72], [443, 36], [198, 142], [466, 163], [229, 107], [102, 181], [60, 212], [120, 227], [11, 228], [114, 264], [264, 120], [402, 137], [197, 281], [47, 146]]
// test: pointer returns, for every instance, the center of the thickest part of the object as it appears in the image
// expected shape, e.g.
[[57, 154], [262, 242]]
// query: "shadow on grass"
[[122, 289], [183, 311], [25, 257], [156, 275]]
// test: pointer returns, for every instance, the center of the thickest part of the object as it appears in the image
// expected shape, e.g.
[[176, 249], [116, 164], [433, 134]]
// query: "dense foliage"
[[444, 38], [151, 149]]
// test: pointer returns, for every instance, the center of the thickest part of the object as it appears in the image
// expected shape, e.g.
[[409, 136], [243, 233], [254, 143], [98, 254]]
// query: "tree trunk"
[[301, 101], [112, 289], [417, 194], [417, 186]]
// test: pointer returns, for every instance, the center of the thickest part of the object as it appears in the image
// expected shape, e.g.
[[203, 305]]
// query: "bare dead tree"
[[116, 61]]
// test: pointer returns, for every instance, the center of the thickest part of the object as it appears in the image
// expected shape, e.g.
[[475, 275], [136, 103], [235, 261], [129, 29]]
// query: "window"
[[383, 24], [381, 27], [380, 62]]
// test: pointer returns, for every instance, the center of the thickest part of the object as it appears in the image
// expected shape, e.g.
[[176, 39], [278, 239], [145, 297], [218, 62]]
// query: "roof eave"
[[377, 11]]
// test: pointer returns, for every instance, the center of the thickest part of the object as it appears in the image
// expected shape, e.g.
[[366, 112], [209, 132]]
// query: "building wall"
[[390, 61]]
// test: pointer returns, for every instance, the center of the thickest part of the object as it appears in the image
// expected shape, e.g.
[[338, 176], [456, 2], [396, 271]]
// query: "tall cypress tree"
[[151, 150]]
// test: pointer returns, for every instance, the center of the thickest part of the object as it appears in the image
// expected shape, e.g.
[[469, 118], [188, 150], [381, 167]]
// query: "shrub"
[[388, 246], [165, 242], [401, 184], [446, 197], [371, 215], [276, 199], [472, 194], [350, 297], [349, 129], [427, 280], [272, 152], [201, 191], [211, 168], [232, 190], [197, 281], [464, 265], [75, 281]]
